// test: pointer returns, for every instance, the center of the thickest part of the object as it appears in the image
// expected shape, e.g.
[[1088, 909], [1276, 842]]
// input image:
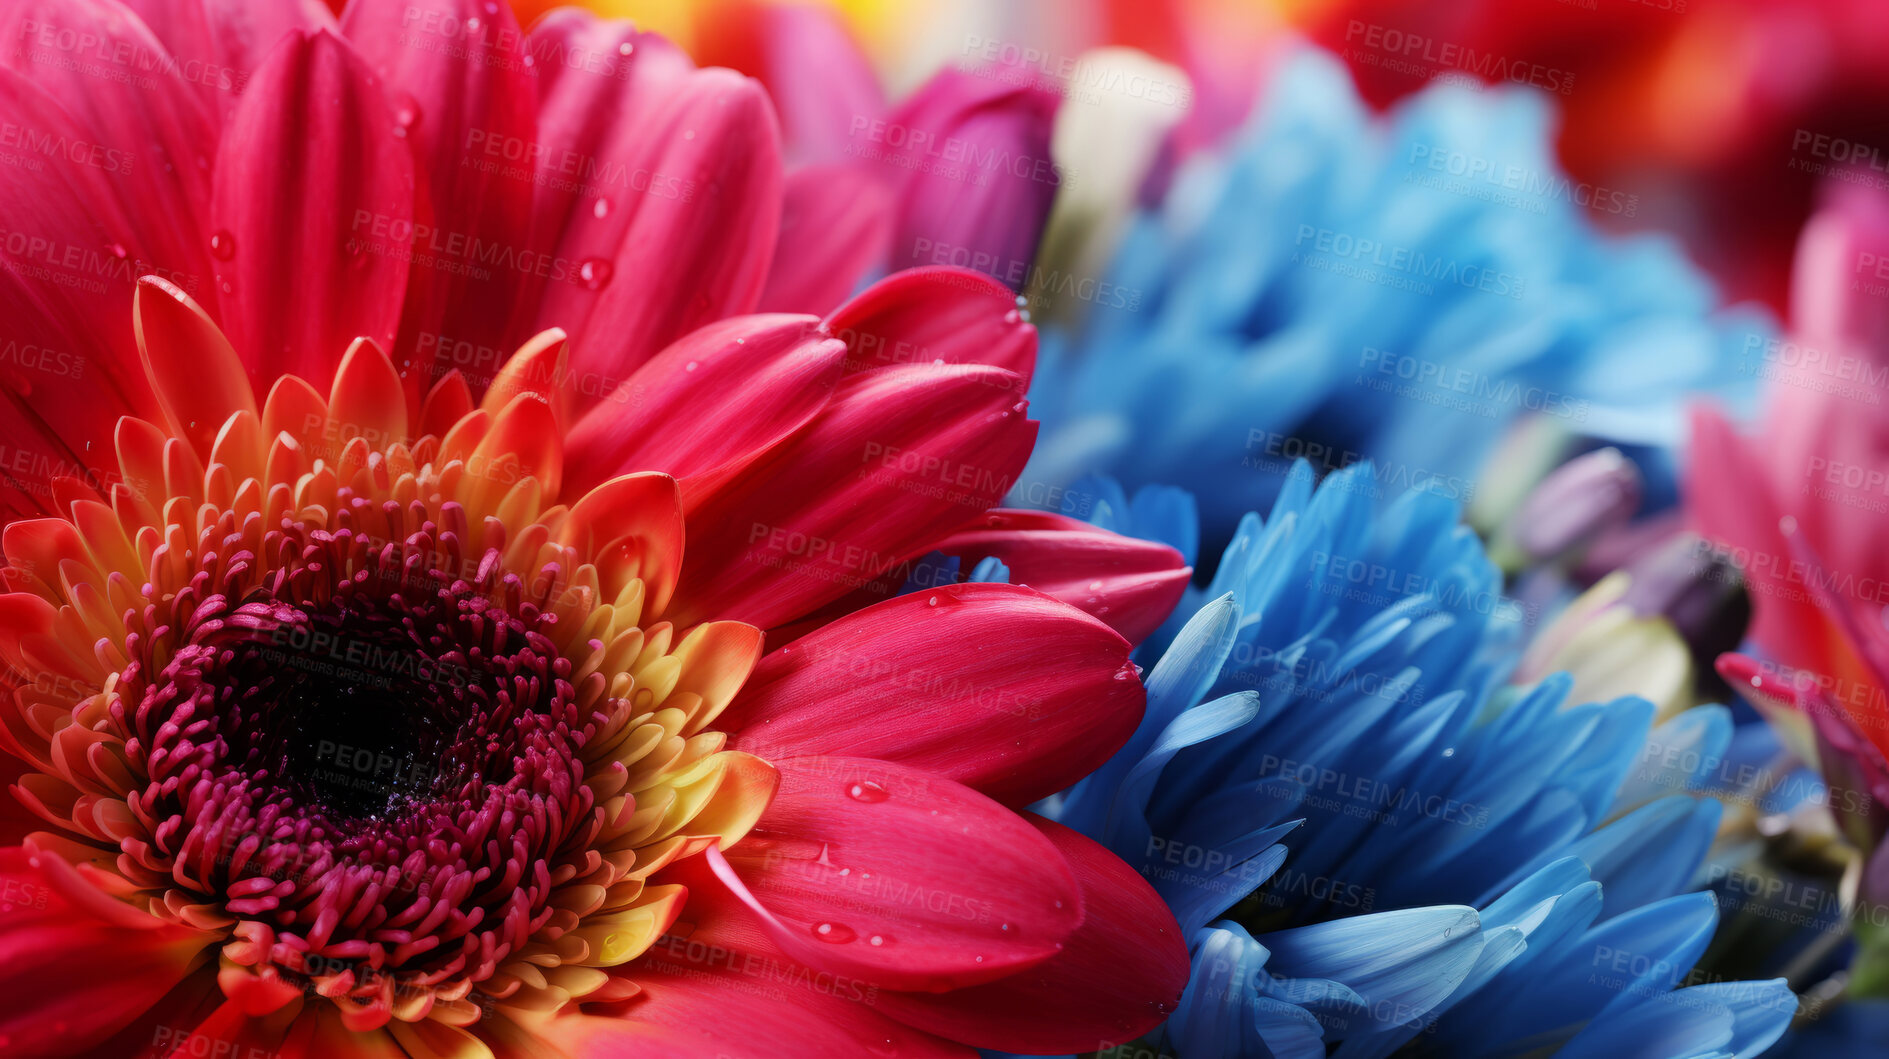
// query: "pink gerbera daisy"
[[370, 690]]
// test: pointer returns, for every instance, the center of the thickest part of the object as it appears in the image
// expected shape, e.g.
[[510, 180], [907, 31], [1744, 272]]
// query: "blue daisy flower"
[[1374, 843], [1342, 286]]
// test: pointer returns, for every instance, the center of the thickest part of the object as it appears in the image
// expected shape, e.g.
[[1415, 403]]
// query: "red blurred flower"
[[1722, 116], [1802, 507], [413, 700]]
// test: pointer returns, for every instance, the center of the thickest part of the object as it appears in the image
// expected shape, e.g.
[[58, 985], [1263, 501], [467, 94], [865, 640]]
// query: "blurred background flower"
[[1337, 287]]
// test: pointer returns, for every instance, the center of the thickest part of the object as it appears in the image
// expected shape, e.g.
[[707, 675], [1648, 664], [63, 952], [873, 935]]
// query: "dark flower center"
[[372, 751]]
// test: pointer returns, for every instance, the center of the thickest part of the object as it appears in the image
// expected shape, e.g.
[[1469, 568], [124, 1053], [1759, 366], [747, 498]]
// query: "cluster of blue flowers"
[[1340, 286], [1371, 841]]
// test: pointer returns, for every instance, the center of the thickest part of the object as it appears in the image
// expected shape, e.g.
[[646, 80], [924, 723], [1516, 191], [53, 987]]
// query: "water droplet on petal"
[[223, 245], [1095, 586], [690, 366], [118, 251], [407, 113], [625, 48], [595, 273], [601, 209], [837, 933], [932, 602], [1013, 317], [877, 940], [867, 791]]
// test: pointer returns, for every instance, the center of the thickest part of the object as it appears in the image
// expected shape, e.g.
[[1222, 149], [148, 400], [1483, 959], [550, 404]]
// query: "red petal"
[[924, 315], [75, 965], [315, 192], [659, 191], [1127, 582], [836, 222], [955, 888], [711, 403], [1000, 688], [146, 134], [1117, 977], [900, 455], [68, 364], [631, 527], [220, 44], [197, 377], [709, 963], [465, 97]]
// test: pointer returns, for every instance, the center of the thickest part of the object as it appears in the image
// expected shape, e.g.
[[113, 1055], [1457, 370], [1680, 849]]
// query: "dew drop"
[[1013, 317], [837, 933], [980, 959], [625, 48], [1449, 751], [932, 602], [601, 209], [595, 273], [877, 940], [1005, 927], [223, 245], [407, 114], [118, 251], [472, 25], [867, 791], [1095, 586], [690, 366]]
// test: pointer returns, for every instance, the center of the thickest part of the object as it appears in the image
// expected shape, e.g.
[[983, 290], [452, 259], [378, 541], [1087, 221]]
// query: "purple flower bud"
[[1575, 503]]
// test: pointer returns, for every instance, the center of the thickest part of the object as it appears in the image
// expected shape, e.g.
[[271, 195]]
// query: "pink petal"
[[899, 456], [1829, 307], [974, 151], [68, 363], [998, 687], [711, 403], [956, 889], [659, 191], [820, 81], [1117, 977], [1730, 502], [836, 222], [924, 315], [1129, 583], [315, 193], [149, 137], [75, 965], [465, 97], [707, 964], [220, 44]]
